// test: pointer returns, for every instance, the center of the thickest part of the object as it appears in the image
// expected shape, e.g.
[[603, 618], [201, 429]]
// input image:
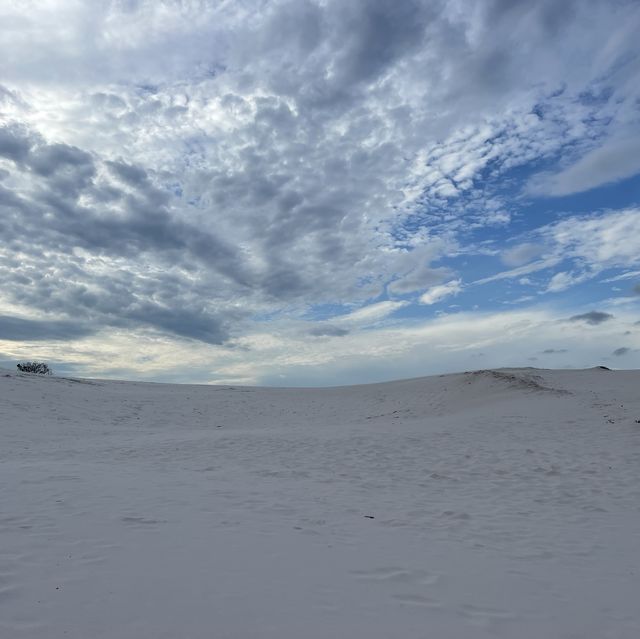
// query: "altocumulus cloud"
[[334, 167]]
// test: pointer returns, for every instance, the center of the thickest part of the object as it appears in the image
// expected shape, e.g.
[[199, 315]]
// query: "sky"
[[313, 193]]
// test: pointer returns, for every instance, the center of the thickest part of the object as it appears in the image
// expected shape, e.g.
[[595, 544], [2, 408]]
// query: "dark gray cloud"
[[132, 175], [182, 322], [53, 158], [325, 56], [554, 351], [70, 207], [636, 289], [328, 331], [27, 330], [621, 351], [143, 221], [15, 144], [592, 317], [376, 33]]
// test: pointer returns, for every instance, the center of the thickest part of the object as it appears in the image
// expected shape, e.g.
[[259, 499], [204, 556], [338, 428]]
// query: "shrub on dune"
[[39, 368]]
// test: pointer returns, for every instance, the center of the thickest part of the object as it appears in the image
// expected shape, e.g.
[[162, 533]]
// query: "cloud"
[[132, 175], [561, 281], [417, 279], [554, 351], [621, 351], [368, 315], [73, 209], [592, 317], [14, 143], [606, 240], [521, 254], [623, 276], [438, 293], [297, 155], [29, 330], [450, 343], [533, 267], [615, 160], [636, 289], [49, 159], [281, 353], [185, 323], [413, 270], [328, 331], [590, 243]]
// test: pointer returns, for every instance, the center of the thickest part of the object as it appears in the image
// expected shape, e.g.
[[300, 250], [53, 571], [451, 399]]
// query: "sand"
[[487, 504]]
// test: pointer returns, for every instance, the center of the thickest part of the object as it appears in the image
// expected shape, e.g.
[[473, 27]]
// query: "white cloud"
[[533, 267], [615, 160], [521, 254], [368, 315], [591, 243], [605, 240], [442, 291], [623, 276], [561, 281]]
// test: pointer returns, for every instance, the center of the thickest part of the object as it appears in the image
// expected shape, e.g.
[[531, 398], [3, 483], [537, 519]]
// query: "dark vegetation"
[[39, 368]]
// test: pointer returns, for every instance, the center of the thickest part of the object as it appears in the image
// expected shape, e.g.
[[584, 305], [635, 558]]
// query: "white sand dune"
[[489, 504]]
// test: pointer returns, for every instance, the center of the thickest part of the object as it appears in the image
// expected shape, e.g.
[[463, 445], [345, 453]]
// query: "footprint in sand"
[[8, 588], [394, 577], [484, 615], [141, 522], [9, 585], [417, 600], [398, 575]]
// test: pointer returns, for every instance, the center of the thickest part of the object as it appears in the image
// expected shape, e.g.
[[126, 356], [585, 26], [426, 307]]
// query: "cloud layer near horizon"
[[205, 173]]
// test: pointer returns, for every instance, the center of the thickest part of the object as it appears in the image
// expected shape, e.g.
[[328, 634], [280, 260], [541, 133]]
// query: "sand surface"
[[489, 504]]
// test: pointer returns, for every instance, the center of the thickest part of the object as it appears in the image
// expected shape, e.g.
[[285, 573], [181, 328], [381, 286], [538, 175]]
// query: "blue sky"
[[317, 193]]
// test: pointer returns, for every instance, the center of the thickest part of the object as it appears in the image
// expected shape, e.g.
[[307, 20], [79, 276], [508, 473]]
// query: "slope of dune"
[[488, 504]]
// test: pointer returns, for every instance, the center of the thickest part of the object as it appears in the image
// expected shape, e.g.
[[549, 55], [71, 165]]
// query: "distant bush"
[[40, 368]]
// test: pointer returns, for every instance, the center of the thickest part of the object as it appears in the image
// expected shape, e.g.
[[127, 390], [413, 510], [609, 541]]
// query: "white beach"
[[489, 504]]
